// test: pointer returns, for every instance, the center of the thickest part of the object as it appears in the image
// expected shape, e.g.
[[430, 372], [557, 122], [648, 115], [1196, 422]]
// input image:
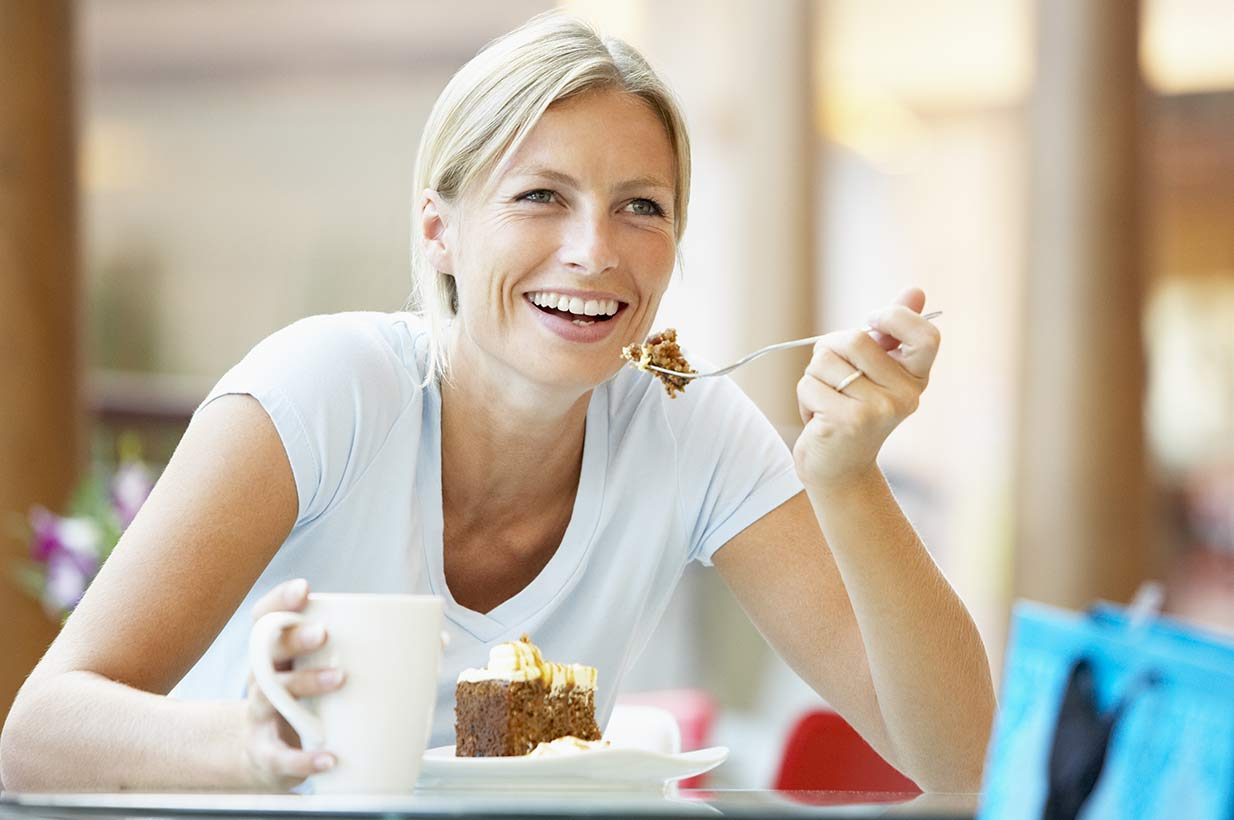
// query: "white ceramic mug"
[[378, 724]]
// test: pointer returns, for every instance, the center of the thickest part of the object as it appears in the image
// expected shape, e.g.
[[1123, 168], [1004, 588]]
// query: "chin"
[[570, 373]]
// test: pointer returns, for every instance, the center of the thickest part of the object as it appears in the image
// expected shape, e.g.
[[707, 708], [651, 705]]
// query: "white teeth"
[[575, 305], [583, 322]]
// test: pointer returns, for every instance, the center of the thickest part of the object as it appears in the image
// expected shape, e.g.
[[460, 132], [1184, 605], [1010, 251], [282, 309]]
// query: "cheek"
[[654, 259], [512, 249], [499, 257]]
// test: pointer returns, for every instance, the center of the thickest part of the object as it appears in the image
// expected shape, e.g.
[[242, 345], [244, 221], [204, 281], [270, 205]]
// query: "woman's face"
[[563, 258]]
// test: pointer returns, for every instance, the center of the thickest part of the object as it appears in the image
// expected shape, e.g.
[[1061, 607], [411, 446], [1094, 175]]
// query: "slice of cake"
[[661, 350], [518, 701]]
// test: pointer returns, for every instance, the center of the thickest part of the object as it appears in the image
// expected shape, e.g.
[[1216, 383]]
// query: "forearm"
[[79, 731], [927, 662]]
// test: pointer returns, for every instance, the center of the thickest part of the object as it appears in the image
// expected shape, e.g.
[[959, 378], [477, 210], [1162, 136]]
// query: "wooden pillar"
[[760, 82], [1083, 523], [40, 419]]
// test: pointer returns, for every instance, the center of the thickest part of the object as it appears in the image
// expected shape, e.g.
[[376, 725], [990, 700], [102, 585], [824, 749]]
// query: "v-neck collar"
[[575, 543]]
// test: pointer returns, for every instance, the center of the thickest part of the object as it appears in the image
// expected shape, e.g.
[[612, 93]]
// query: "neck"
[[507, 444]]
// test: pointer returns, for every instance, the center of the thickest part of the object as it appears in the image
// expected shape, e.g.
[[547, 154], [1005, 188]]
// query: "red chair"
[[824, 753]]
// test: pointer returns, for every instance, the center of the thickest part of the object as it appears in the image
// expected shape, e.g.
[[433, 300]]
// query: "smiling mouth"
[[578, 311]]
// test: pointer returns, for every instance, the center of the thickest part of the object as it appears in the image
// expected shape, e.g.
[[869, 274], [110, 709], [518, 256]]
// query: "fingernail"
[[330, 677], [323, 761], [312, 634], [296, 591]]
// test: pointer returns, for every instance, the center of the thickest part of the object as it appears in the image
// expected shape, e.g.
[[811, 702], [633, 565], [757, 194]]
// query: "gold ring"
[[849, 379]]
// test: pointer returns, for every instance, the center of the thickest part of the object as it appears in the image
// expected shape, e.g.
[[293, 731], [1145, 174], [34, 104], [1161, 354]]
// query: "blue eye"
[[646, 207], [540, 195]]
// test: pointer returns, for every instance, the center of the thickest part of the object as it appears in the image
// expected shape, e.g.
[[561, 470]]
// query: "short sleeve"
[[734, 467], [334, 387]]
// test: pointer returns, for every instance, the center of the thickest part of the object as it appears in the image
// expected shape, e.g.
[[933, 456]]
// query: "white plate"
[[598, 768]]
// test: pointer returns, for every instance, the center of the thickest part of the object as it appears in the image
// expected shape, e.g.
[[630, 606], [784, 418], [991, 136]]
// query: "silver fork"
[[760, 352]]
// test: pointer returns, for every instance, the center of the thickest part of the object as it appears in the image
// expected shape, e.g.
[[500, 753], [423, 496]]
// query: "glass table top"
[[745, 803]]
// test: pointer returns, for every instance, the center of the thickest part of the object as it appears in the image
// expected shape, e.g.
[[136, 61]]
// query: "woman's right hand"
[[272, 749]]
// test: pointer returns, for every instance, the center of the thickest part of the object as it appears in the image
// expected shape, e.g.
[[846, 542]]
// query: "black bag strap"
[[1081, 741]]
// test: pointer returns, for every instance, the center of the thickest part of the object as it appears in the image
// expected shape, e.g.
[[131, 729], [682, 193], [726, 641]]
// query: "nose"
[[588, 246]]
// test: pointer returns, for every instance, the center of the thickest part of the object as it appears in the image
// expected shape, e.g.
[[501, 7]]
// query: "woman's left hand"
[[844, 431]]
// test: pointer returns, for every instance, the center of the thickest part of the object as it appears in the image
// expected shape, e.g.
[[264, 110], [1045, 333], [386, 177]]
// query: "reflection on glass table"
[[497, 803]]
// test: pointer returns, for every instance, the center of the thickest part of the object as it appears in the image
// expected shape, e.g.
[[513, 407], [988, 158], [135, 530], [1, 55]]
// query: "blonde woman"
[[491, 449]]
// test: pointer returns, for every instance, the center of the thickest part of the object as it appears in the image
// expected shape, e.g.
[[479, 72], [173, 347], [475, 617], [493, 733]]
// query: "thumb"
[[913, 299]]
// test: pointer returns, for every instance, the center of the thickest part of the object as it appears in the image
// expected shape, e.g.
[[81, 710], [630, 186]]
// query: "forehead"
[[599, 135]]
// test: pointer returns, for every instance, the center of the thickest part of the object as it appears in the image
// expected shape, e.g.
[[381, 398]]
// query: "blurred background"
[[178, 179]]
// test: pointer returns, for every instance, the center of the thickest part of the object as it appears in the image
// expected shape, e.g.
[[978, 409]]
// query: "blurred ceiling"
[[930, 54], [198, 40], [946, 54], [884, 65], [1188, 45]]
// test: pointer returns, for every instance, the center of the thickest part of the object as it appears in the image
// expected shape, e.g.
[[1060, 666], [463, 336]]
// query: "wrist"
[[846, 486], [232, 763]]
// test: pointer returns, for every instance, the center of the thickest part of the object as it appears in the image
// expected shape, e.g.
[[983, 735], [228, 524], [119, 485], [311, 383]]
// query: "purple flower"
[[71, 550], [46, 541], [130, 487], [67, 579]]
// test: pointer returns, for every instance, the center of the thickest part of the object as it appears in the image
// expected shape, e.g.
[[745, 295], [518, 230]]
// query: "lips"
[[574, 327]]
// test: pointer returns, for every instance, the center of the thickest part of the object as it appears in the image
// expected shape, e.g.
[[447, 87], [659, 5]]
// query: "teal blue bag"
[[1103, 716]]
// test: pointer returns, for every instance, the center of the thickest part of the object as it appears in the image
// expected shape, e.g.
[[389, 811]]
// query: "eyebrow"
[[565, 179]]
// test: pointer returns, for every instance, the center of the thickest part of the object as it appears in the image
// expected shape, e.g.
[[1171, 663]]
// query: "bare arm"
[[877, 632], [93, 714], [840, 583]]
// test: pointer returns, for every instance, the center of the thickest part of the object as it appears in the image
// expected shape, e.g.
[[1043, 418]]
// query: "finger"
[[290, 595], [283, 761], [302, 683], [298, 641], [831, 368], [861, 352], [908, 326], [911, 298], [817, 398], [309, 683], [290, 762], [919, 338]]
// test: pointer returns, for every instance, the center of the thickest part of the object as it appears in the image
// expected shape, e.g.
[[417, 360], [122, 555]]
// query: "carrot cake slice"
[[519, 701]]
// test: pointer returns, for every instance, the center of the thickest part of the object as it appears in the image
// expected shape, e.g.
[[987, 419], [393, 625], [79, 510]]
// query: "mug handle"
[[262, 640]]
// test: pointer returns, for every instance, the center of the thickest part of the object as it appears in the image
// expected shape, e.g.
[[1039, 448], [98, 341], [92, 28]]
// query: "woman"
[[493, 451]]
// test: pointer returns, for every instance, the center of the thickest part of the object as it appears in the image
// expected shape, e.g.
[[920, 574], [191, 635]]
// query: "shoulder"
[[337, 387], [354, 353], [361, 338]]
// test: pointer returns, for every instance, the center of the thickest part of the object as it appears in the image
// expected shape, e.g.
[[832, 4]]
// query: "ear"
[[435, 236]]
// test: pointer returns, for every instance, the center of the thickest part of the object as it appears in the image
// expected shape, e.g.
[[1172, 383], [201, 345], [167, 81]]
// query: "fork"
[[760, 352]]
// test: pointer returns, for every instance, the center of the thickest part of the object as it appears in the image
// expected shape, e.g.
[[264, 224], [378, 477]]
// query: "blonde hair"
[[492, 104]]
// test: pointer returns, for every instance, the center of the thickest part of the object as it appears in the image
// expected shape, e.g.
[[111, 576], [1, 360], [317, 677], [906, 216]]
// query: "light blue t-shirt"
[[664, 481]]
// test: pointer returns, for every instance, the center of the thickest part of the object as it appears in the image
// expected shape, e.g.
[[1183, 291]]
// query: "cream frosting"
[[521, 661], [568, 745]]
